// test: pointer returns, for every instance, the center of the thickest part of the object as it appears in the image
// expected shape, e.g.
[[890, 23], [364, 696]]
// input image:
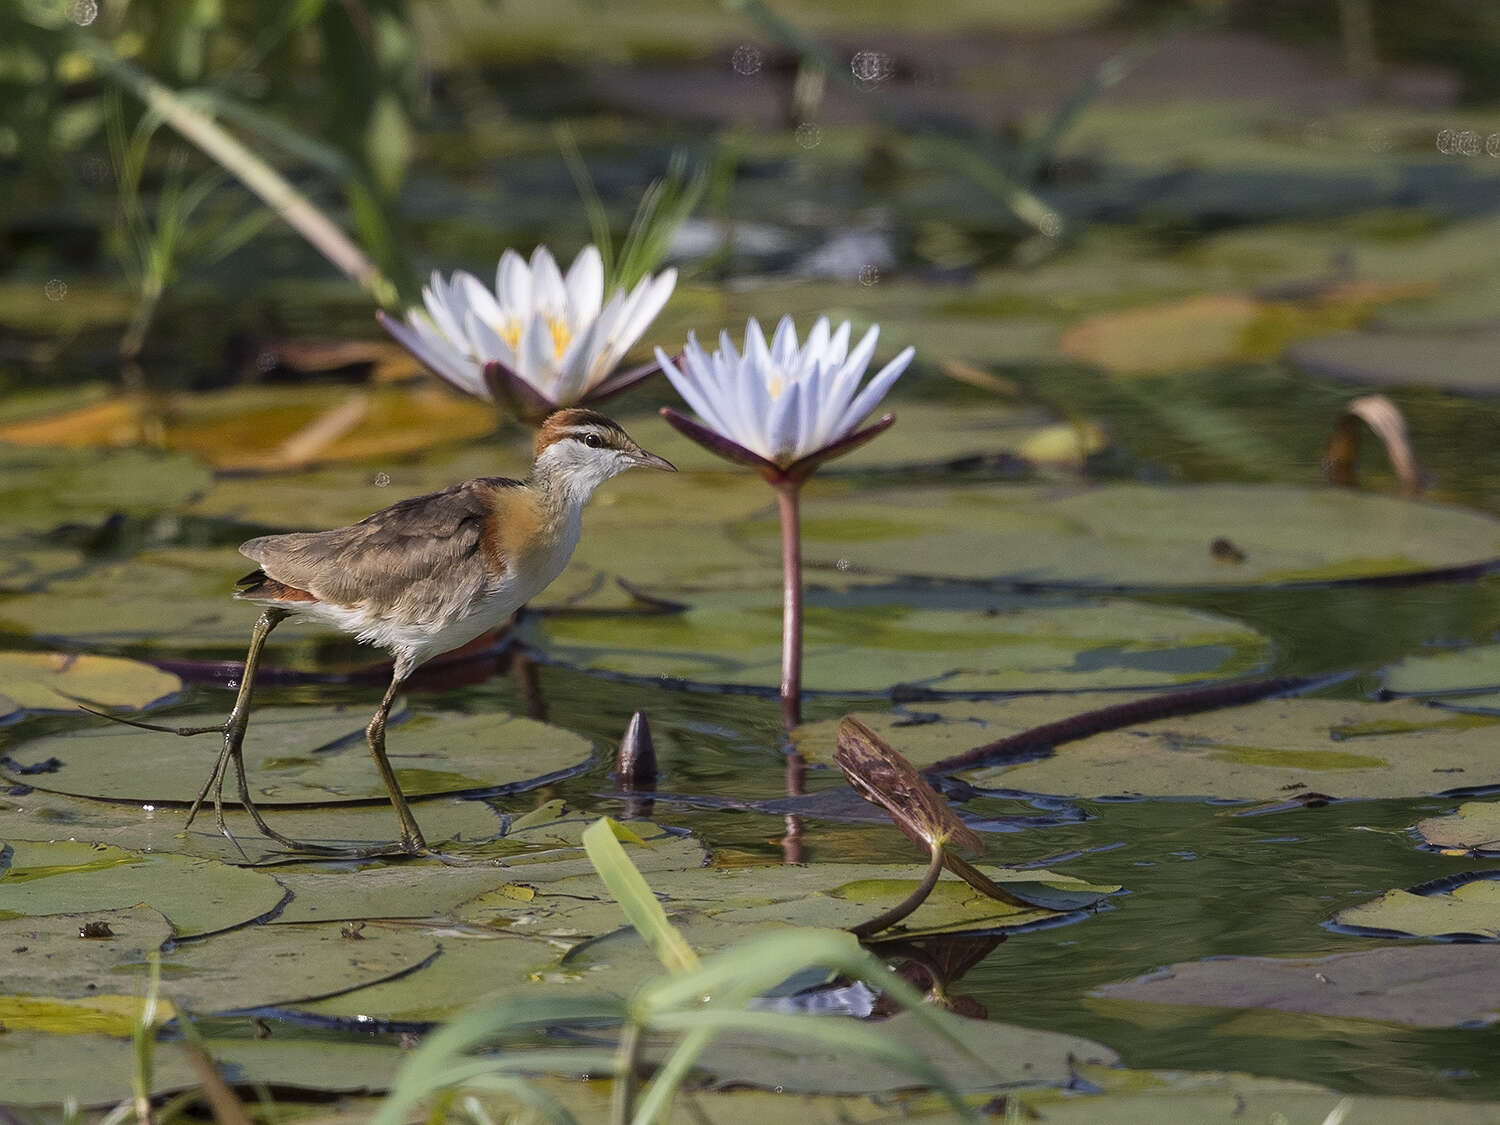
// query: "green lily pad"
[[861, 641], [1270, 750], [1002, 1055], [1452, 361], [264, 966], [471, 967], [42, 488], [307, 756], [59, 681], [25, 565], [427, 890], [945, 728], [197, 896], [1415, 985], [1134, 536], [1441, 673], [97, 1070], [1137, 1097], [180, 596], [39, 815], [1474, 829], [1469, 910], [250, 967], [47, 956], [824, 894]]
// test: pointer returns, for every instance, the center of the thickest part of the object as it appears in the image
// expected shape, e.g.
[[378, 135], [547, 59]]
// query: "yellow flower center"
[[562, 335]]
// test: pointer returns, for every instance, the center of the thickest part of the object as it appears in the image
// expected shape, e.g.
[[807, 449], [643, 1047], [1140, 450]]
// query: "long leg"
[[234, 728], [411, 835]]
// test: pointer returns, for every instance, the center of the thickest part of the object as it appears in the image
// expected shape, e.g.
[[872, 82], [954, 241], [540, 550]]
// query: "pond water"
[[1105, 478]]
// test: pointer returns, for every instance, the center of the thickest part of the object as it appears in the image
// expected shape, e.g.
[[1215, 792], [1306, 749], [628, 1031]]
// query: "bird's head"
[[581, 449]]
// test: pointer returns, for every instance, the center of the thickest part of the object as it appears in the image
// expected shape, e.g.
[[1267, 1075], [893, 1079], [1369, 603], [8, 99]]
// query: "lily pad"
[[1452, 361], [197, 896], [1135, 1097], [1136, 536], [27, 565], [308, 756], [181, 597], [471, 967], [944, 729], [42, 488], [824, 894], [269, 428], [48, 956], [1474, 829], [1468, 911], [964, 642], [1441, 673], [429, 890], [1415, 985], [1271, 750], [39, 815], [59, 681], [97, 1070], [1001, 1055]]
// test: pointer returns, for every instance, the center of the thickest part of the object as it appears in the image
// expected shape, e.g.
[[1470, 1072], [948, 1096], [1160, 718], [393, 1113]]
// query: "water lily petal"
[[513, 285], [438, 301], [487, 344], [585, 286], [784, 344], [781, 428], [537, 357], [419, 337], [838, 347], [875, 389], [548, 294], [687, 386]]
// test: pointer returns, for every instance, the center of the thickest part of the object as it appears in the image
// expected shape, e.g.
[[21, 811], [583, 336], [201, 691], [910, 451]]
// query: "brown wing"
[[428, 543]]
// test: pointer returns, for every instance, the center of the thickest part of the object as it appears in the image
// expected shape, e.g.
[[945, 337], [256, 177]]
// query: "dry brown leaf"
[[1385, 419]]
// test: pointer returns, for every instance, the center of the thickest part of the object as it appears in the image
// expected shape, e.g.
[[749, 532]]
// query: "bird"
[[420, 578]]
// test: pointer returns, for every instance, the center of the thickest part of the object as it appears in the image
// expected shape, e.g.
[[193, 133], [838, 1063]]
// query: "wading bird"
[[421, 578]]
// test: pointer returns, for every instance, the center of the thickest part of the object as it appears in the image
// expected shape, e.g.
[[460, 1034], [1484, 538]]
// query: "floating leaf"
[[1270, 750], [1469, 910], [1473, 829], [1448, 360], [1130, 535], [269, 428], [97, 1070], [962, 642], [39, 815], [197, 896], [1186, 335], [42, 488], [59, 681], [25, 565], [426, 890], [46, 956], [307, 755], [1445, 672], [1416, 985]]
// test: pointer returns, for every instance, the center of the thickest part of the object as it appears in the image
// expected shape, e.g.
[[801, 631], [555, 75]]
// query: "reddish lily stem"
[[791, 602]]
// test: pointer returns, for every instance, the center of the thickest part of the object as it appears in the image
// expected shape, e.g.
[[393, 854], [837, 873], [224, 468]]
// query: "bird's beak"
[[652, 461]]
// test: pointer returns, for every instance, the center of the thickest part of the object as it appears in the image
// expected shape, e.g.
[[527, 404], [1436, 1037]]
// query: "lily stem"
[[909, 903], [787, 494]]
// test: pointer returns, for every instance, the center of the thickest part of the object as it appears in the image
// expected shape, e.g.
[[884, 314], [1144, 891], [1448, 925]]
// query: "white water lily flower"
[[541, 340], [779, 402]]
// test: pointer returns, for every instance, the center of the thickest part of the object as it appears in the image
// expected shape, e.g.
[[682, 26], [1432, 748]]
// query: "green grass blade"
[[635, 898], [839, 1034], [420, 1074]]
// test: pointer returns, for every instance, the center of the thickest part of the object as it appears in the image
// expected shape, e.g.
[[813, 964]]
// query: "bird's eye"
[[592, 441]]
